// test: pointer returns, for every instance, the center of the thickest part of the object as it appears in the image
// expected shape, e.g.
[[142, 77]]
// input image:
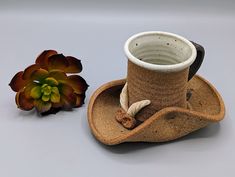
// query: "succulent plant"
[[46, 86]]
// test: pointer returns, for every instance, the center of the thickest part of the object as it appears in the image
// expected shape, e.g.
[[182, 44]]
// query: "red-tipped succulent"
[[46, 86]]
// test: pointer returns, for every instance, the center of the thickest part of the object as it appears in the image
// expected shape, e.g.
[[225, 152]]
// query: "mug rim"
[[156, 67]]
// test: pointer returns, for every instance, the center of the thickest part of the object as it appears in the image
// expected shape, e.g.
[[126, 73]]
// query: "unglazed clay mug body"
[[160, 64]]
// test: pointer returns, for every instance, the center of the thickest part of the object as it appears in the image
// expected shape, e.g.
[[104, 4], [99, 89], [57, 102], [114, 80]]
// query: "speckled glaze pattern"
[[168, 124], [161, 68], [160, 51], [162, 89], [158, 70]]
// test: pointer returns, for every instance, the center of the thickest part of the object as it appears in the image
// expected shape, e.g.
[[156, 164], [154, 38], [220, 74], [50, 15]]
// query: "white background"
[[61, 145]]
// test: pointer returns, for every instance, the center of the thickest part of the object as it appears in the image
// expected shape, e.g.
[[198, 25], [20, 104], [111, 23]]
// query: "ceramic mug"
[[160, 64]]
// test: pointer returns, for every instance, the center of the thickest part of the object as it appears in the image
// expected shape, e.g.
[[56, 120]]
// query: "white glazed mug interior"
[[160, 51]]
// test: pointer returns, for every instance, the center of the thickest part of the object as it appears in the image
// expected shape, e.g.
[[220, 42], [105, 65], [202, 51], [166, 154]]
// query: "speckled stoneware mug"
[[160, 64]]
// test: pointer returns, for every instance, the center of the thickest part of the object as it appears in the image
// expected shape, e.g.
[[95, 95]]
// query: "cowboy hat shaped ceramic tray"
[[161, 99]]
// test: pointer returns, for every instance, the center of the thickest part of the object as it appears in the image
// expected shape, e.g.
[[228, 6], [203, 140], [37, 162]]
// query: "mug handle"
[[198, 61]]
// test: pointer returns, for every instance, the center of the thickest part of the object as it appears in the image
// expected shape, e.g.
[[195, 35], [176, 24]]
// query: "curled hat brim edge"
[[167, 124]]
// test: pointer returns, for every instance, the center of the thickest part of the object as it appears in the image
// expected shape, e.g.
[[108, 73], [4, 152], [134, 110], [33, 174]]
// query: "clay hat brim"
[[165, 125]]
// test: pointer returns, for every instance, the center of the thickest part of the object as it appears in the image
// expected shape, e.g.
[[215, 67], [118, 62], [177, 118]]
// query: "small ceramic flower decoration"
[[46, 86]]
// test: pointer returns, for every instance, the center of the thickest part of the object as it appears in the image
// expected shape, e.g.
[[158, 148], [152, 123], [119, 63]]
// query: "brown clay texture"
[[167, 124], [162, 89]]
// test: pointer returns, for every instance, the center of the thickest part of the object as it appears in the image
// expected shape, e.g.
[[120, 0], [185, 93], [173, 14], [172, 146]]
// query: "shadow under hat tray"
[[167, 124]]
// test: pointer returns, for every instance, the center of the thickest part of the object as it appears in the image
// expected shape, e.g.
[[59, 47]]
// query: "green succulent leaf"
[[45, 85], [45, 97], [51, 81], [55, 90], [55, 98], [36, 92], [46, 89]]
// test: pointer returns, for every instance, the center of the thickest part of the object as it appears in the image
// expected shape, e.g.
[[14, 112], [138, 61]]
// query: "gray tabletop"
[[61, 145]]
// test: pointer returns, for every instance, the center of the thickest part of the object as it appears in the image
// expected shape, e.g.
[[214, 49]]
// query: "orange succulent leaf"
[[75, 65], [17, 82], [68, 101], [79, 100], [42, 59], [46, 86], [58, 75], [29, 70], [77, 83], [23, 102], [39, 74], [68, 96], [42, 106], [57, 62], [28, 88]]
